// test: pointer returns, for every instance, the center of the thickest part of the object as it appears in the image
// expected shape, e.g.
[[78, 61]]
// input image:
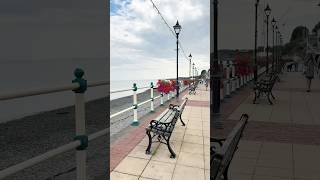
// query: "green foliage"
[[299, 33], [316, 27]]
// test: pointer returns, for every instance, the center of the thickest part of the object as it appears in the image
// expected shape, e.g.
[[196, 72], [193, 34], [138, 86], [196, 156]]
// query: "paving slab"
[[190, 143], [281, 141]]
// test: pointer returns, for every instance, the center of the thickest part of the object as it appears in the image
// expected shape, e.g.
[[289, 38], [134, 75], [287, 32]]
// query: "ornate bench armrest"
[[218, 140], [171, 106]]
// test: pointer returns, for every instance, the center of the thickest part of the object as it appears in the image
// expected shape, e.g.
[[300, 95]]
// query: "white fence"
[[79, 87], [136, 105], [232, 82]]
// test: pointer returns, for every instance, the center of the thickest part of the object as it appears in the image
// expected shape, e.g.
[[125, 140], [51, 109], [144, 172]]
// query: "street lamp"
[[214, 66], [193, 72], [177, 29], [267, 12], [273, 23], [190, 57], [255, 42], [277, 46]]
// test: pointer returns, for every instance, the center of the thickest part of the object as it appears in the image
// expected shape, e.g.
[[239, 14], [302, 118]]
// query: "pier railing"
[[79, 86], [233, 82], [151, 100]]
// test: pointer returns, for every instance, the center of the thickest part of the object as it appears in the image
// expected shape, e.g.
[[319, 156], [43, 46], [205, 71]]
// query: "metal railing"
[[136, 105], [232, 82], [79, 86]]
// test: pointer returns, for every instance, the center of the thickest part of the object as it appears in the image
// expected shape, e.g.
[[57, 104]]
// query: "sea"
[[127, 85], [17, 76]]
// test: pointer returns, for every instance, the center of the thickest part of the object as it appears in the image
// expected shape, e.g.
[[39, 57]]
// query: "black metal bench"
[[265, 86], [192, 88], [222, 150], [163, 127]]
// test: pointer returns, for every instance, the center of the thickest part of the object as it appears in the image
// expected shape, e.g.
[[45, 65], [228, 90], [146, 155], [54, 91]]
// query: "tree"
[[299, 34], [316, 27]]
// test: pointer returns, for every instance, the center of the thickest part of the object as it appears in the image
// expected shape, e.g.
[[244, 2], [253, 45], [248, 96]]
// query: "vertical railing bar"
[[135, 121]]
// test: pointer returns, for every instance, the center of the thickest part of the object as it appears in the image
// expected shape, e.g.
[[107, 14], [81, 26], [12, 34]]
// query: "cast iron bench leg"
[[268, 95], [255, 97], [173, 154], [225, 173], [183, 124], [150, 142], [272, 96]]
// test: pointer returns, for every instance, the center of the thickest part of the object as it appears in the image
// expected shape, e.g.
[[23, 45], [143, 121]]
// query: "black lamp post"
[[190, 57], [280, 47], [216, 76], [177, 29], [193, 72], [273, 23], [267, 11], [277, 46], [255, 42]]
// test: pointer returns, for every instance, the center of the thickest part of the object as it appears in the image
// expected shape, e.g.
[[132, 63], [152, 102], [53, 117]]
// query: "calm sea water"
[[128, 84], [23, 75]]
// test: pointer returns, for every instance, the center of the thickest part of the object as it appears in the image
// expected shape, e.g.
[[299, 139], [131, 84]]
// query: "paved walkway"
[[190, 142], [281, 142]]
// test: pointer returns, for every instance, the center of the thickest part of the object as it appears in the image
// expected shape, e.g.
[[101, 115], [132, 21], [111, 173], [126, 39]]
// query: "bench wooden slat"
[[221, 157]]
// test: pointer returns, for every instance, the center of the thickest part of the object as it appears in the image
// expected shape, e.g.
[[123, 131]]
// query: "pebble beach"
[[27, 137]]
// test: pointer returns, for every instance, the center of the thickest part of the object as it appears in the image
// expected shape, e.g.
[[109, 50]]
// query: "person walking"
[[310, 65], [206, 83]]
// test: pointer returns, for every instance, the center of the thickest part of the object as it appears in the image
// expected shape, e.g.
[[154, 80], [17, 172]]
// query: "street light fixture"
[[273, 23], [177, 29], [267, 12]]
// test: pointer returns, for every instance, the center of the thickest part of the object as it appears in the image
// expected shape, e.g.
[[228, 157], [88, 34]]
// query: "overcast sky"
[[236, 20], [52, 29], [142, 47]]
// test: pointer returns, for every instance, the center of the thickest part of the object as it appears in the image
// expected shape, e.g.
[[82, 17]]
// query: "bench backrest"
[[167, 115], [222, 157], [168, 119], [182, 105]]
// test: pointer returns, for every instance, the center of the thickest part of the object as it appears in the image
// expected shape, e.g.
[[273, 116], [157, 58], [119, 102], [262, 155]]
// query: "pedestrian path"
[[190, 143], [280, 142]]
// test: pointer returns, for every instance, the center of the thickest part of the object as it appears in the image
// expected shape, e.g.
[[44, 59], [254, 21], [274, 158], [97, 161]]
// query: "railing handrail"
[[132, 107], [49, 154], [40, 91], [79, 86]]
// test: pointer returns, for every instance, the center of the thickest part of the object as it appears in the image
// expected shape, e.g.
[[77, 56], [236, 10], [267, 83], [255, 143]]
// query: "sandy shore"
[[33, 135]]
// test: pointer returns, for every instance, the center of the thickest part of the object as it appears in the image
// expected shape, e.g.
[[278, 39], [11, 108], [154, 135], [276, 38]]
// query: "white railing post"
[[81, 153], [221, 92], [135, 121], [151, 94], [161, 99], [237, 82], [233, 73], [228, 79], [241, 80]]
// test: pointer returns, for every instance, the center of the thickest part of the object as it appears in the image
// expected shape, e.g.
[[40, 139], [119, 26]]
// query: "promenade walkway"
[[190, 142], [280, 142]]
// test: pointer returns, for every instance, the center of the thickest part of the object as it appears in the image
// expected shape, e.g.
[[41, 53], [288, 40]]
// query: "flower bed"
[[165, 86]]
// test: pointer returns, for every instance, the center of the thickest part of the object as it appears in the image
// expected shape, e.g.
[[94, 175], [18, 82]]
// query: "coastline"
[[33, 135], [26, 137]]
